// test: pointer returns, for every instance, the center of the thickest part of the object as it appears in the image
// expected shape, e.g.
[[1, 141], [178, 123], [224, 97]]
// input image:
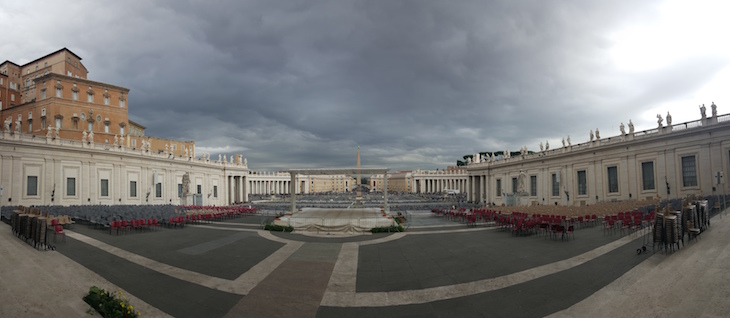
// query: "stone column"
[[385, 186], [293, 196]]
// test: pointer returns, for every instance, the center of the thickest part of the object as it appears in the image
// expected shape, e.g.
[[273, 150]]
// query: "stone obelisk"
[[358, 198]]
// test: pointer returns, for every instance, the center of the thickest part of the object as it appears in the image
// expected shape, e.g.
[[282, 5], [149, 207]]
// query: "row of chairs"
[[133, 225], [627, 222]]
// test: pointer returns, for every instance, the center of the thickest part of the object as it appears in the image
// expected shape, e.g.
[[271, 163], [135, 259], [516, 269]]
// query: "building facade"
[[52, 96], [55, 171], [451, 180], [663, 163]]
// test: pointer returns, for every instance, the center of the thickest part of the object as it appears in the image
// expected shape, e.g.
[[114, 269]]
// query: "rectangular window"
[[179, 190], [71, 187], [106, 100], [58, 92], [612, 179], [90, 98], [32, 185], [30, 125], [499, 187], [556, 185], [75, 95], [43, 123], [12, 97], [121, 103], [689, 171], [514, 185], [134, 143], [647, 175], [104, 187], [91, 126], [582, 183], [533, 186], [133, 189], [106, 127], [43, 93], [200, 189], [215, 191], [158, 190], [58, 122], [121, 131]]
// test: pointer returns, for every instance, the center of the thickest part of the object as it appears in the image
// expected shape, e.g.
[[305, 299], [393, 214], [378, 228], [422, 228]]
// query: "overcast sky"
[[416, 84]]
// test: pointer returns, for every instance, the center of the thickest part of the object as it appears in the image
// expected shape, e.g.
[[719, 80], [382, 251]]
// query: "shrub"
[[387, 229], [278, 228], [108, 305]]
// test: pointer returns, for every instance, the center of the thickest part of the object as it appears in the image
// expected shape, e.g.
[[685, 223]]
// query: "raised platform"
[[336, 220]]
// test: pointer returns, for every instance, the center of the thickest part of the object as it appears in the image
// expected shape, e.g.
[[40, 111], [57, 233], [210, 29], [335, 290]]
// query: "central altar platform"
[[336, 219]]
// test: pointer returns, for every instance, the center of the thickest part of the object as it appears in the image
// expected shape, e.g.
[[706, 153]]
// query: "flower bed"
[[108, 305]]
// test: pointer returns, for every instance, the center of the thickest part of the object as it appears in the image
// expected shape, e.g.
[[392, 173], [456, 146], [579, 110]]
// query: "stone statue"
[[187, 154], [631, 127], [231, 160], [144, 144], [17, 126], [167, 148], [714, 109], [563, 142], [521, 182], [703, 112], [239, 159], [8, 122], [116, 140], [55, 132], [91, 136], [225, 159], [121, 141], [492, 156], [468, 160], [569, 144], [659, 120], [48, 132], [83, 137], [219, 158], [186, 184], [149, 144], [669, 119], [591, 134], [598, 134], [547, 145], [541, 147], [245, 162], [622, 128]]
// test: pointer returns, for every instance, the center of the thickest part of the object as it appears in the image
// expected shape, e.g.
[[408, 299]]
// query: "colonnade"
[[270, 186], [236, 186], [438, 185]]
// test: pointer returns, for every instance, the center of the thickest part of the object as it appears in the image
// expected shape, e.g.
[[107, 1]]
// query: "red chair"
[[142, 224], [57, 230], [125, 225], [569, 232], [561, 231], [114, 225], [153, 223]]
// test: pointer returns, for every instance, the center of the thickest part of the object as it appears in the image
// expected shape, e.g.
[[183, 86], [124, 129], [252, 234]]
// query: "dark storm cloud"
[[416, 84]]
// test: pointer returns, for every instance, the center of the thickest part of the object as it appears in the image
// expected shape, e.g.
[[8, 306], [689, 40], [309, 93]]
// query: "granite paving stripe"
[[174, 296], [538, 297], [423, 261], [227, 262], [294, 289], [394, 298]]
